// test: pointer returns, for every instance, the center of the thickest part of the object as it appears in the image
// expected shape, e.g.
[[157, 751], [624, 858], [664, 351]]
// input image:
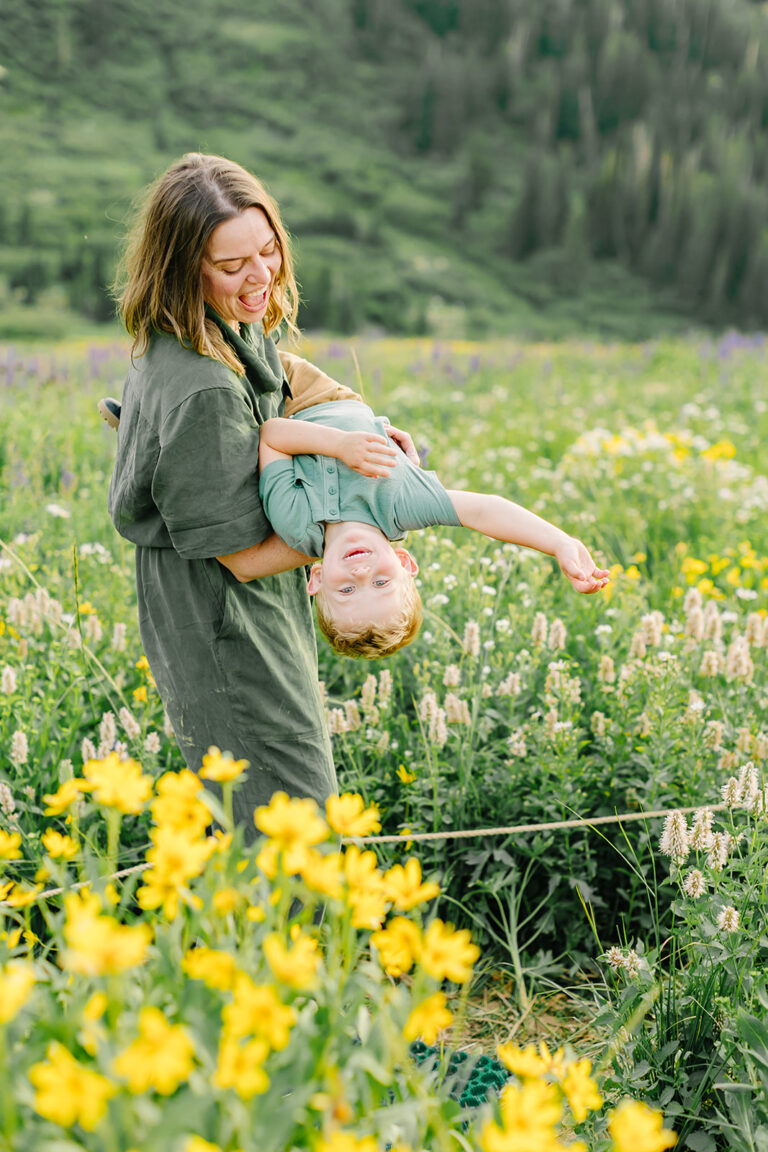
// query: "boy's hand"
[[577, 564], [366, 453], [405, 443]]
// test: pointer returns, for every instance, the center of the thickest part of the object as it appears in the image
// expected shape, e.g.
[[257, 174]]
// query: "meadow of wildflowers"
[[520, 702]]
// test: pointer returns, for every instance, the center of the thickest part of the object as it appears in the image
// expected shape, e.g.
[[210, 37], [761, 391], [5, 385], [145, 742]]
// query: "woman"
[[224, 614]]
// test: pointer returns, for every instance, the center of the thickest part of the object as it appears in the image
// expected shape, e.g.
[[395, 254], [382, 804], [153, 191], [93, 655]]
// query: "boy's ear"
[[315, 579], [407, 560]]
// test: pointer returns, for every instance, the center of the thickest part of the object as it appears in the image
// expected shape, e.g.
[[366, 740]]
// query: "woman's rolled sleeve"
[[206, 481]]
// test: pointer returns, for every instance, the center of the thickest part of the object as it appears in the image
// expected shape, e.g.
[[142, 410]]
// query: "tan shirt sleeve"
[[309, 385]]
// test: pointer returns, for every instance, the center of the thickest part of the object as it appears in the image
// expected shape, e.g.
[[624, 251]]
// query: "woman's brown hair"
[[159, 282]]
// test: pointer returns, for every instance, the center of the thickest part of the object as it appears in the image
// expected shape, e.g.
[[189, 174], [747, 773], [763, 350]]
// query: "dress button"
[[329, 468], [333, 511], [332, 491]]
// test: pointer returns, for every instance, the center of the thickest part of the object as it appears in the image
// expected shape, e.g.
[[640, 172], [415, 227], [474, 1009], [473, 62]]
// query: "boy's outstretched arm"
[[501, 519], [365, 452]]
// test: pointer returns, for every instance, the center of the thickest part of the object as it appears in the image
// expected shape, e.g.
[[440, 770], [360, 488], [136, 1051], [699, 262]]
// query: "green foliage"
[[445, 146]]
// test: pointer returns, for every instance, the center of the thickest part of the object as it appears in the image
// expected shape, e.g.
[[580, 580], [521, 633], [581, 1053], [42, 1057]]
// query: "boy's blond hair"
[[374, 640]]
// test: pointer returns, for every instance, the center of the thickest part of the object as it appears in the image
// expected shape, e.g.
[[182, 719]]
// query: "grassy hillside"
[[446, 166]]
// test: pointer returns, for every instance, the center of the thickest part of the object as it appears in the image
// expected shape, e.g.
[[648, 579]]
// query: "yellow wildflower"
[[175, 860], [66, 1092], [17, 979], [59, 846], [428, 1019], [348, 815], [691, 568], [529, 1113], [369, 907], [177, 804], [322, 872], [257, 1010], [405, 887], [227, 900], [10, 842], [404, 775], [297, 966], [526, 1063], [291, 822], [140, 694], [160, 1058], [637, 1128], [448, 954], [581, 1090], [21, 896], [241, 1067], [197, 1144], [118, 783], [722, 450], [98, 944], [733, 576], [221, 766], [398, 945], [361, 869], [216, 969], [92, 1032], [66, 794], [340, 1141]]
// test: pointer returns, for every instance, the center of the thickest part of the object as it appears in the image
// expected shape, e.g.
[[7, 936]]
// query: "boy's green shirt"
[[302, 494]]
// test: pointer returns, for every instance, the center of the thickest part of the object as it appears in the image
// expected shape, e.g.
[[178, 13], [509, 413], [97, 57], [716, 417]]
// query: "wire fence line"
[[420, 837]]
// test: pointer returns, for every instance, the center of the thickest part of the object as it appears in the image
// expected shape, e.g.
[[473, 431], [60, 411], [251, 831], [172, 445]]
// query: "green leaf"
[[700, 1141]]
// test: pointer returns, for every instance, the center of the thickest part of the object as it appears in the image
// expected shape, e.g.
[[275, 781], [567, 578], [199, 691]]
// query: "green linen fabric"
[[235, 664], [301, 494]]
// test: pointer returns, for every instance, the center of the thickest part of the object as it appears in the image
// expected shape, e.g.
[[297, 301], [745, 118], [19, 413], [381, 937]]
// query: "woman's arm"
[[501, 519], [365, 452], [268, 558]]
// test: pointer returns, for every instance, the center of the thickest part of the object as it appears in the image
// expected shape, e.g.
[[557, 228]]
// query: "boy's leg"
[[309, 385]]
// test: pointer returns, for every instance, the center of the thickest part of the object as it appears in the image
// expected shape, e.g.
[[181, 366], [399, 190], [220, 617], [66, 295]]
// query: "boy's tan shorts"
[[309, 385]]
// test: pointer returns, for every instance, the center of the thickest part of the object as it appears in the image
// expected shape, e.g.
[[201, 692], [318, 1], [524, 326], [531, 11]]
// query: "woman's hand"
[[577, 564], [405, 443], [365, 452]]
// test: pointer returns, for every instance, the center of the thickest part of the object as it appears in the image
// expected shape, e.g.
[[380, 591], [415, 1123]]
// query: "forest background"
[[447, 167]]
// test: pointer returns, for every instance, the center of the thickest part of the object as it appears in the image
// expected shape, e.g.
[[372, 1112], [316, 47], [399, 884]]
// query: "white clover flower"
[[744, 741], [152, 743], [438, 732], [428, 707], [7, 802], [472, 639], [728, 919], [712, 663], [557, 635], [438, 600], [603, 630], [58, 511], [749, 781], [130, 725], [19, 748], [714, 730], [653, 628], [118, 637], [732, 792], [486, 691], [352, 715], [487, 612], [615, 957], [337, 721], [637, 647], [510, 685], [456, 710], [502, 625], [8, 681], [701, 830], [368, 694], [452, 676], [606, 673], [738, 661], [694, 625], [385, 687], [107, 734], [717, 856], [540, 630], [694, 884], [675, 839], [599, 723], [631, 963], [488, 590], [93, 630], [516, 743]]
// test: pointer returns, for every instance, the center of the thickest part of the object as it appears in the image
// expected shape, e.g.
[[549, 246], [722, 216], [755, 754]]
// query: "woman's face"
[[239, 267]]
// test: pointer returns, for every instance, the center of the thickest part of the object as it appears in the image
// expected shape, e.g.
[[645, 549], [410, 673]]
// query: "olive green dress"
[[235, 664]]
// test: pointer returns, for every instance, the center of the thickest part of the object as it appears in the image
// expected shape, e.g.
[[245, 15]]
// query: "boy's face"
[[362, 576]]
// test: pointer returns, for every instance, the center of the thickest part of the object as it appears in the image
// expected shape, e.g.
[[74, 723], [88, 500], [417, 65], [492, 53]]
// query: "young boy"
[[339, 483]]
